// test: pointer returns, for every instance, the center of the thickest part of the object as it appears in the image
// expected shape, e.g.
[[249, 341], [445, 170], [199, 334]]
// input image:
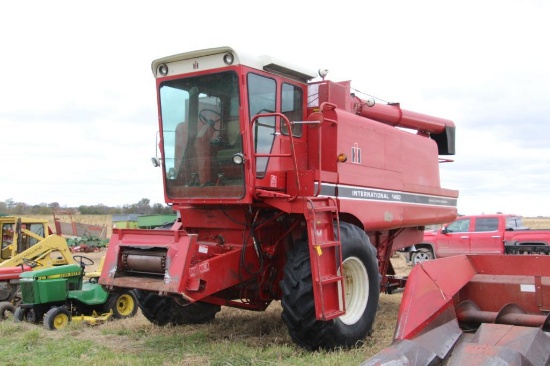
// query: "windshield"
[[201, 133]]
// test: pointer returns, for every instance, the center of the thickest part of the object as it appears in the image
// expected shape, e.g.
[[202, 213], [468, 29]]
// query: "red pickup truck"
[[480, 234]]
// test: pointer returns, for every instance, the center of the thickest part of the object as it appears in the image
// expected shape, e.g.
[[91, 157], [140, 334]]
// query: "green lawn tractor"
[[59, 295]]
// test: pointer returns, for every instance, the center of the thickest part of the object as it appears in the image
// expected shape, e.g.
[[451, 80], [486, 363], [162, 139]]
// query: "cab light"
[[228, 58], [163, 69]]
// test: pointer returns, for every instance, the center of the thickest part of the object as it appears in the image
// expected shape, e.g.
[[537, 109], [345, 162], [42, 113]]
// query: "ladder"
[[326, 257]]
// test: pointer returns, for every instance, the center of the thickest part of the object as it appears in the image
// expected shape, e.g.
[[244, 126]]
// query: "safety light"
[[342, 158], [228, 58], [238, 158], [163, 69]]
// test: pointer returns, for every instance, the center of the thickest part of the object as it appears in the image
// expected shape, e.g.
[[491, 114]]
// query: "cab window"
[[292, 100], [262, 93], [486, 224], [459, 226]]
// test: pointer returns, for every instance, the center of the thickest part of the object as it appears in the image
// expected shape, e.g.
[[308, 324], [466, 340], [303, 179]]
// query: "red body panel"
[[468, 291], [12, 273]]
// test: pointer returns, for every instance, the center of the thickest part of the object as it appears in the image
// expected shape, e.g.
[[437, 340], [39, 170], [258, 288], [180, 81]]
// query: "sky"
[[78, 114]]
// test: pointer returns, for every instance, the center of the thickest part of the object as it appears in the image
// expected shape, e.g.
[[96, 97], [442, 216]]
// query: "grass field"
[[236, 337]]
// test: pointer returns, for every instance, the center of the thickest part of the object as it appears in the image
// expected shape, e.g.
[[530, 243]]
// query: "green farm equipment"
[[59, 295]]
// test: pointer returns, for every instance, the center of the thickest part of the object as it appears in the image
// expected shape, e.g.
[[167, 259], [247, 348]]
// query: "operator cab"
[[208, 101]]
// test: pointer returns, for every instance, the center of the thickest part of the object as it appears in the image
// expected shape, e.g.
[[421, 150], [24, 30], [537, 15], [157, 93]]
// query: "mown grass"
[[236, 337]]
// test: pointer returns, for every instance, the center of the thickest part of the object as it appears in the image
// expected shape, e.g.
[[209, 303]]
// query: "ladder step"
[[330, 279], [333, 314]]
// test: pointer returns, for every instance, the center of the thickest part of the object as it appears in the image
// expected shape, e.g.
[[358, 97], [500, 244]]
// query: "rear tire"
[[123, 304], [162, 310], [361, 288], [422, 255], [6, 309], [57, 318]]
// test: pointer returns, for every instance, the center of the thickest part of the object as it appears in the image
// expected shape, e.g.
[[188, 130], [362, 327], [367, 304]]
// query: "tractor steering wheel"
[[84, 261], [31, 263], [210, 122]]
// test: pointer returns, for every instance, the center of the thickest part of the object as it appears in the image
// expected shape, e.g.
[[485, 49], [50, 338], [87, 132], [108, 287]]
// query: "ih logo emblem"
[[356, 154], [195, 65]]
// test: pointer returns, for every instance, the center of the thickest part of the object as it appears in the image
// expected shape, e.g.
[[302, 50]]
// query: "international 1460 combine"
[[286, 189]]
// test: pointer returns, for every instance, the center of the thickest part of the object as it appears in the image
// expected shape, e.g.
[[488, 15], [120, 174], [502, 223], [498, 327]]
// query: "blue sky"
[[78, 111]]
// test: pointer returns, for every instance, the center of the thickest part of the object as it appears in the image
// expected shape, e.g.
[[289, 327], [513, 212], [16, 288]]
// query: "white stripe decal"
[[381, 195]]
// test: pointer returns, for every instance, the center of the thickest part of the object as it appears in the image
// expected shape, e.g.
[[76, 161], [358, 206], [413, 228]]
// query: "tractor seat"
[[91, 294]]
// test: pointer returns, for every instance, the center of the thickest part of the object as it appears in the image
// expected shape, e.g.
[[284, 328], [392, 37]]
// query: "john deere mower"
[[59, 295]]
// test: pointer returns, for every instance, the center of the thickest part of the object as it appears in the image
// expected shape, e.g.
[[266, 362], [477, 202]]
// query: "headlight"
[[238, 158]]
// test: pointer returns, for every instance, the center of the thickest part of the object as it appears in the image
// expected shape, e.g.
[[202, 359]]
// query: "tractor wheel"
[[5, 309], [27, 315], [361, 291], [162, 310], [57, 318], [18, 315], [123, 304], [423, 255]]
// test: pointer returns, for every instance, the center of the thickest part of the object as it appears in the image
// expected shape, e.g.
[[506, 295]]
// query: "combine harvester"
[[286, 189], [473, 310]]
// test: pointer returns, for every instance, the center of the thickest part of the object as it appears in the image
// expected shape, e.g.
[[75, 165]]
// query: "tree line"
[[143, 207]]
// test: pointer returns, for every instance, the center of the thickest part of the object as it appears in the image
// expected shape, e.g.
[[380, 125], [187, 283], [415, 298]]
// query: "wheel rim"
[[421, 257], [125, 305], [60, 321], [356, 287]]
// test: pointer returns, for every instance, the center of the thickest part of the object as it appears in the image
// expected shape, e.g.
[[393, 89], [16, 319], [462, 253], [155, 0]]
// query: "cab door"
[[485, 237]]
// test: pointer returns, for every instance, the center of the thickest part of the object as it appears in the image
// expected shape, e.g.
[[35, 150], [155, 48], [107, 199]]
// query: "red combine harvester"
[[286, 189]]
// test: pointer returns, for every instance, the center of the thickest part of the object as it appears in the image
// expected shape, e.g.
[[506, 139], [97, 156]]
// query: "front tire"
[[57, 318], [163, 310], [28, 315], [422, 255], [361, 291]]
